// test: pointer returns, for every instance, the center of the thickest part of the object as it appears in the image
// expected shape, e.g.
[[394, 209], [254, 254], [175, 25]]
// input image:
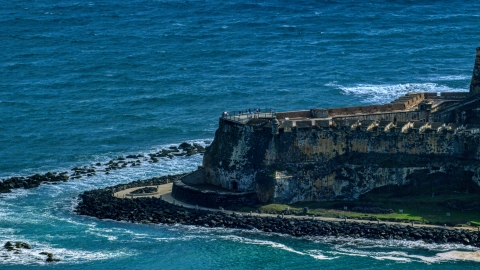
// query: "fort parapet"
[[332, 153]]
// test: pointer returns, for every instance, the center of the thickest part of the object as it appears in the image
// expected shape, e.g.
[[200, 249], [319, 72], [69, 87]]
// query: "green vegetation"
[[427, 198], [464, 208]]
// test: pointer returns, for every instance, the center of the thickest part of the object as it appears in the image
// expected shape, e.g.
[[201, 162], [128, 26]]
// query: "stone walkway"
[[161, 190], [165, 193]]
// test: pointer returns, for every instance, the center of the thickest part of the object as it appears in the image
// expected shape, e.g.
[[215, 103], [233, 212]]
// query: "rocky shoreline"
[[18, 246], [33, 181], [101, 204]]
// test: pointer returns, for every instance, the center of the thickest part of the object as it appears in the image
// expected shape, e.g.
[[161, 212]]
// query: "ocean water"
[[86, 81]]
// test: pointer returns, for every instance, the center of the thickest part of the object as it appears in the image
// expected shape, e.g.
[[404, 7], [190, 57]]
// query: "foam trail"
[[452, 78], [384, 93], [382, 250], [315, 254]]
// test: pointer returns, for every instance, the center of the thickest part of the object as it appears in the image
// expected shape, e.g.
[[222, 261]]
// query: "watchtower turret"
[[475, 83]]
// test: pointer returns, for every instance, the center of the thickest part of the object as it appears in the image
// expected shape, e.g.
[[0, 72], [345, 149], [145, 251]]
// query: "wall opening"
[[235, 185]]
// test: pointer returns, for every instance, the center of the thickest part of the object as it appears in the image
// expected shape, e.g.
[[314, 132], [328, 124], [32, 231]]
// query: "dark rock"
[[50, 258], [185, 145], [191, 152], [199, 148]]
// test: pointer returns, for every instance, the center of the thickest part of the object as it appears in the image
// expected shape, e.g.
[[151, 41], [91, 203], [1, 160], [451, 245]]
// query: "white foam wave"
[[379, 250], [453, 78], [314, 254], [184, 238], [384, 93], [395, 244], [404, 256], [459, 256], [96, 232], [66, 256], [391, 258]]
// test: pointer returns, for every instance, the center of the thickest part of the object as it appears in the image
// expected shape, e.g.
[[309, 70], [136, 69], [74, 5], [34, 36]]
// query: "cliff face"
[[313, 163], [236, 158]]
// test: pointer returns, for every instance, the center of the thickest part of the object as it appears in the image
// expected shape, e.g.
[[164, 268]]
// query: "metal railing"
[[244, 116]]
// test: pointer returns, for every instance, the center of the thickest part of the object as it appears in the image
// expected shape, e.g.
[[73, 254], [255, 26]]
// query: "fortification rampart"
[[324, 154], [312, 156], [189, 189]]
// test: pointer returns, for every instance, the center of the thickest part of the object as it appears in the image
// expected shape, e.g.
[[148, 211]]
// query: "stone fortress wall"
[[318, 162], [187, 190], [325, 154]]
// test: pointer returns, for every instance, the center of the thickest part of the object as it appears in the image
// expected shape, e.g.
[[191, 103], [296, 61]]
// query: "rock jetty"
[[33, 181], [100, 203]]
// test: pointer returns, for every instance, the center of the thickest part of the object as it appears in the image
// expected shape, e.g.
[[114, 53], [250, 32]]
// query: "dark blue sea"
[[87, 81]]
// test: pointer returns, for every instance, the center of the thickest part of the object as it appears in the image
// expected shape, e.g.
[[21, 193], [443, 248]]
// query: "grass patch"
[[419, 208]]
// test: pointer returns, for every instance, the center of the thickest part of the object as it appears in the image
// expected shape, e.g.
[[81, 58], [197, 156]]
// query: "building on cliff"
[[340, 153]]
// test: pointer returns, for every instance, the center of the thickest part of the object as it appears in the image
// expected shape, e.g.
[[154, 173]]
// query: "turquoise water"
[[83, 82]]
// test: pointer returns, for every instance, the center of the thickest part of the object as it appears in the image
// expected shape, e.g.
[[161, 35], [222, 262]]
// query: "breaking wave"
[[384, 93]]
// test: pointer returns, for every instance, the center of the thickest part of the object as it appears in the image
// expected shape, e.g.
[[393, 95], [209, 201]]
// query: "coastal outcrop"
[[325, 154], [18, 246], [132, 160], [102, 204]]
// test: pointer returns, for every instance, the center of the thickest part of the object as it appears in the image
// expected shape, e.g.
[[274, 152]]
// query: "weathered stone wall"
[[195, 178], [388, 116], [208, 198], [326, 143], [348, 178], [463, 113], [315, 163], [363, 109]]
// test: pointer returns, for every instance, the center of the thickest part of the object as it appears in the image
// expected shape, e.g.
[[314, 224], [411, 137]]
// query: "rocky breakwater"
[[100, 203], [19, 246], [33, 181]]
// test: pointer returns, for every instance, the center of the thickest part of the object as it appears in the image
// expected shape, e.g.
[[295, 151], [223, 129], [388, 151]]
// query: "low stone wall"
[[210, 198], [320, 113], [195, 178], [455, 95], [392, 116]]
